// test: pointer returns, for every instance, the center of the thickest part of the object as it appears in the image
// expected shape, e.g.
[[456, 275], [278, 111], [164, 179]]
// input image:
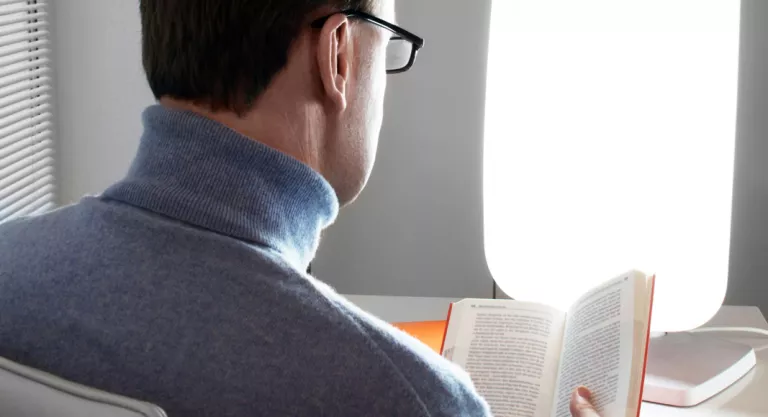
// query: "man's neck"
[[270, 128], [197, 171]]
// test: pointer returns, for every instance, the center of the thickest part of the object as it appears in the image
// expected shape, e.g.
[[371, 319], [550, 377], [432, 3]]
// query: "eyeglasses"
[[402, 48]]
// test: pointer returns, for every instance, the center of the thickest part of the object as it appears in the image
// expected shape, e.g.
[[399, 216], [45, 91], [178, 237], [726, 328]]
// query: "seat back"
[[27, 392]]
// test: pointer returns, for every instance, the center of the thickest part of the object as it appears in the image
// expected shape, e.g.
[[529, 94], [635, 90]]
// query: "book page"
[[510, 350], [599, 347]]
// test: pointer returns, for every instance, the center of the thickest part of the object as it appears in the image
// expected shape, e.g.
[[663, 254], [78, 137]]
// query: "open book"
[[526, 359]]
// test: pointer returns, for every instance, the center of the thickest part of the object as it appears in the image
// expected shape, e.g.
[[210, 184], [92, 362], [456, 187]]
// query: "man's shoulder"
[[31, 233], [442, 387], [64, 230], [79, 216]]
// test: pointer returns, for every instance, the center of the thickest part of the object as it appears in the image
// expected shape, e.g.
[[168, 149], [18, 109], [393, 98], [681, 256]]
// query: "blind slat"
[[36, 132], [35, 124], [29, 169], [23, 96], [25, 76], [22, 66], [28, 141], [28, 158], [25, 36], [11, 113], [29, 47], [25, 199], [35, 207], [20, 155], [26, 195], [25, 84], [8, 60], [9, 20], [40, 3], [45, 206], [44, 176], [24, 118], [29, 27], [20, 7]]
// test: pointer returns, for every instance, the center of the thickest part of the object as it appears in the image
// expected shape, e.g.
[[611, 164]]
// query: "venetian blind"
[[26, 147]]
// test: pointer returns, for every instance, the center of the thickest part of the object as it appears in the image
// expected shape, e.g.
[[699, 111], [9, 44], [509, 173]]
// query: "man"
[[183, 285]]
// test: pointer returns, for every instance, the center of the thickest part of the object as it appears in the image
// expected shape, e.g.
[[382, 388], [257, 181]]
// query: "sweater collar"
[[200, 172]]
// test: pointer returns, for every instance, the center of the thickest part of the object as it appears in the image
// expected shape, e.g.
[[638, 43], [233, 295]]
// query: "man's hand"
[[581, 405]]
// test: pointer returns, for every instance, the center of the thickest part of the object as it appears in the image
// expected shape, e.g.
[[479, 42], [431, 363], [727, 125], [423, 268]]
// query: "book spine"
[[647, 345], [445, 331]]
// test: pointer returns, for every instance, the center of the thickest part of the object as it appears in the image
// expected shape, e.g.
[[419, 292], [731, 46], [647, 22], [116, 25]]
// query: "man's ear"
[[334, 59]]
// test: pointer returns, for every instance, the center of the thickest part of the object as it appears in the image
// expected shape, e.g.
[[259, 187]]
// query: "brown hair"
[[223, 53]]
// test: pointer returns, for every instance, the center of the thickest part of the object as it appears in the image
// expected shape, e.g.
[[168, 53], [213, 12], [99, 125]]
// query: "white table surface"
[[746, 398]]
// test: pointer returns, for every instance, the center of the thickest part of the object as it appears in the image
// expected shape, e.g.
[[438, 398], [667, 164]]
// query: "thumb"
[[581, 405]]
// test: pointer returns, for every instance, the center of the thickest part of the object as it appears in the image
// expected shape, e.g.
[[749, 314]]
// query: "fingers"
[[581, 405]]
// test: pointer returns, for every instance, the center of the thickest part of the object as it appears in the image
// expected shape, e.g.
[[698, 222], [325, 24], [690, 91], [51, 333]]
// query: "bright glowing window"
[[609, 145]]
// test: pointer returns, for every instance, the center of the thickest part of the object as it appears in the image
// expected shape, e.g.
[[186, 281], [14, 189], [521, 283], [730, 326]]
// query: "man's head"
[[262, 68]]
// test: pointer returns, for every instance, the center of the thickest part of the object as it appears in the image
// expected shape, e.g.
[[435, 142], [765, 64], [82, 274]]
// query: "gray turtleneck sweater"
[[183, 285]]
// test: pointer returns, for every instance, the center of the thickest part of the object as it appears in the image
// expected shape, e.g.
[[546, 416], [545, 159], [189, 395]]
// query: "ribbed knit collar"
[[198, 171]]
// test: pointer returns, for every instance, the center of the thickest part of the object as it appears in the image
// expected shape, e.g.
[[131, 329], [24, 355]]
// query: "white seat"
[[26, 392]]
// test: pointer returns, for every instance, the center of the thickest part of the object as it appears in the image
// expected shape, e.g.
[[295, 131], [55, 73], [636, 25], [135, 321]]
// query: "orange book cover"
[[431, 333]]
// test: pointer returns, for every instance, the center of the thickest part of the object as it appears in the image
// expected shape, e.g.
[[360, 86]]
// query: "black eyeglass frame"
[[399, 32]]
